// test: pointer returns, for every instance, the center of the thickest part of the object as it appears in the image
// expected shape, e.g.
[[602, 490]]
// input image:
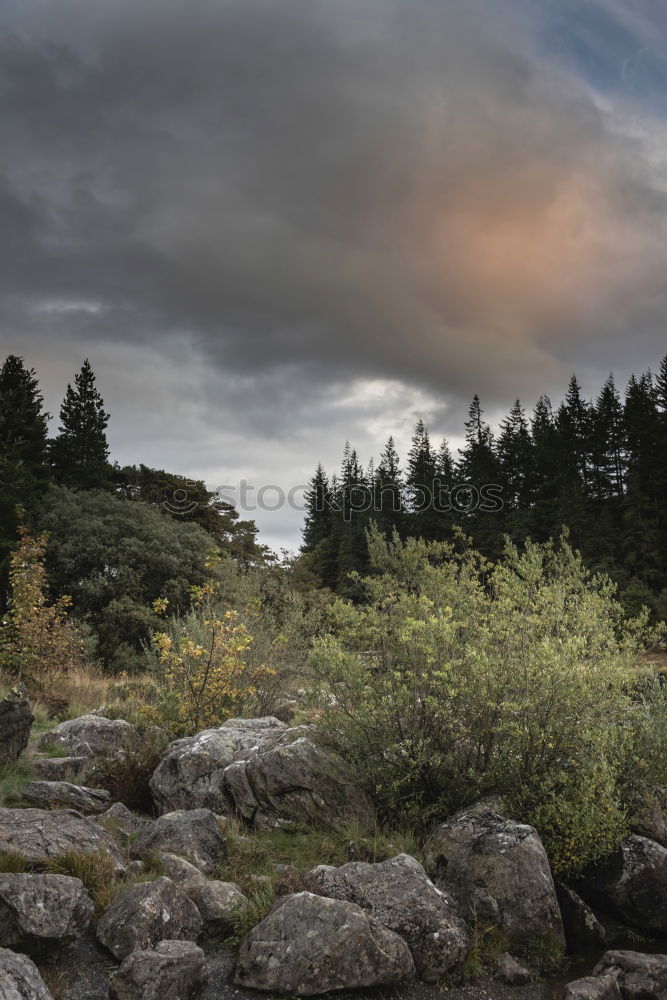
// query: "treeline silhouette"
[[598, 468]]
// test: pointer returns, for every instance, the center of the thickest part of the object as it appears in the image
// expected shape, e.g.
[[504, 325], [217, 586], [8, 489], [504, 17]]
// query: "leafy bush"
[[127, 776], [458, 678]]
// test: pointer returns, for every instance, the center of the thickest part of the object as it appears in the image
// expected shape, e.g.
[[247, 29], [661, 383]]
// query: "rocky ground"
[[100, 902]]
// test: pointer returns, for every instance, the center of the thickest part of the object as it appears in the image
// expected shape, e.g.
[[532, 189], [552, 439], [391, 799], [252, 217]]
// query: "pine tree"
[[319, 536], [388, 506], [515, 452], [643, 557], [355, 503], [80, 452], [546, 519], [479, 469], [424, 519], [24, 471]]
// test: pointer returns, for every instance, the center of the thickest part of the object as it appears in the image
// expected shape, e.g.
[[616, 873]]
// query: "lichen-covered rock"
[[592, 988], [121, 823], [20, 978], [146, 913], [58, 768], [185, 875], [65, 795], [400, 895], [40, 912], [218, 903], [173, 970], [583, 930], [191, 773], [632, 885], [311, 944], [36, 834], [194, 833], [90, 736], [15, 722], [509, 971], [259, 770], [639, 976], [499, 870]]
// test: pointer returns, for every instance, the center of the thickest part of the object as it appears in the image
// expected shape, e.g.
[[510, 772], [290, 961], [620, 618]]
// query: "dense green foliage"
[[456, 678], [599, 468]]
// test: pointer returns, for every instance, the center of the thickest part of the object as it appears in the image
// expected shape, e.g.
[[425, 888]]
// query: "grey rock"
[[36, 834], [146, 913], [639, 976], [174, 970], [499, 870], [218, 903], [15, 722], [185, 875], [632, 885], [310, 944], [20, 978], [592, 988], [65, 795], [39, 912], [509, 971], [58, 768], [90, 736], [194, 833], [400, 895], [191, 774], [121, 823], [583, 930]]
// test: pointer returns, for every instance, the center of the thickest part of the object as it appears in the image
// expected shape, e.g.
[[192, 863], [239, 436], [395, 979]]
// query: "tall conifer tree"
[[80, 452]]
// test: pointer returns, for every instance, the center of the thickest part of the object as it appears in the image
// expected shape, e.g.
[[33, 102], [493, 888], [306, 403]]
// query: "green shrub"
[[458, 678], [96, 870]]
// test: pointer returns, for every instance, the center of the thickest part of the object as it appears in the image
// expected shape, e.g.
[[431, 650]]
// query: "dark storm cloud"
[[283, 198]]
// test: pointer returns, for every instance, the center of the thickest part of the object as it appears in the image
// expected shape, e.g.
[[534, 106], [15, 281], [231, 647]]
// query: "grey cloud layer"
[[307, 192]]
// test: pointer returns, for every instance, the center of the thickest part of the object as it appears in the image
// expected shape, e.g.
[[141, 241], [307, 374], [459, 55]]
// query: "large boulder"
[[632, 885], [174, 970], [185, 875], [259, 770], [20, 978], [121, 823], [497, 869], [41, 912], [146, 913], [639, 976], [194, 833], [400, 895], [583, 930], [592, 988], [191, 773], [65, 795], [36, 834], [90, 736], [310, 944], [15, 722]]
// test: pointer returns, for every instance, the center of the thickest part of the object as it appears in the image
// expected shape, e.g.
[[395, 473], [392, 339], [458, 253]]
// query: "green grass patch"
[[13, 863], [13, 779]]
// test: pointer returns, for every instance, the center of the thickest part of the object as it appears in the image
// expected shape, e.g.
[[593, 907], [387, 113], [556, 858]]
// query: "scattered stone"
[[174, 970], [38, 912], [122, 824], [188, 878], [639, 976], [36, 834], [218, 903], [583, 930], [592, 988], [310, 944], [20, 979], [194, 833], [58, 768], [509, 971], [632, 885], [65, 795], [90, 736], [146, 913], [498, 869], [191, 774], [15, 722], [400, 895]]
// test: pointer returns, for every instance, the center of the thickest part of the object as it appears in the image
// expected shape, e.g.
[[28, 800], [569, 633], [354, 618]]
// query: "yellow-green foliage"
[[459, 678]]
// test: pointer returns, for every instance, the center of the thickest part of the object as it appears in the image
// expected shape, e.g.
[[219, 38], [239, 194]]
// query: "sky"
[[274, 225]]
